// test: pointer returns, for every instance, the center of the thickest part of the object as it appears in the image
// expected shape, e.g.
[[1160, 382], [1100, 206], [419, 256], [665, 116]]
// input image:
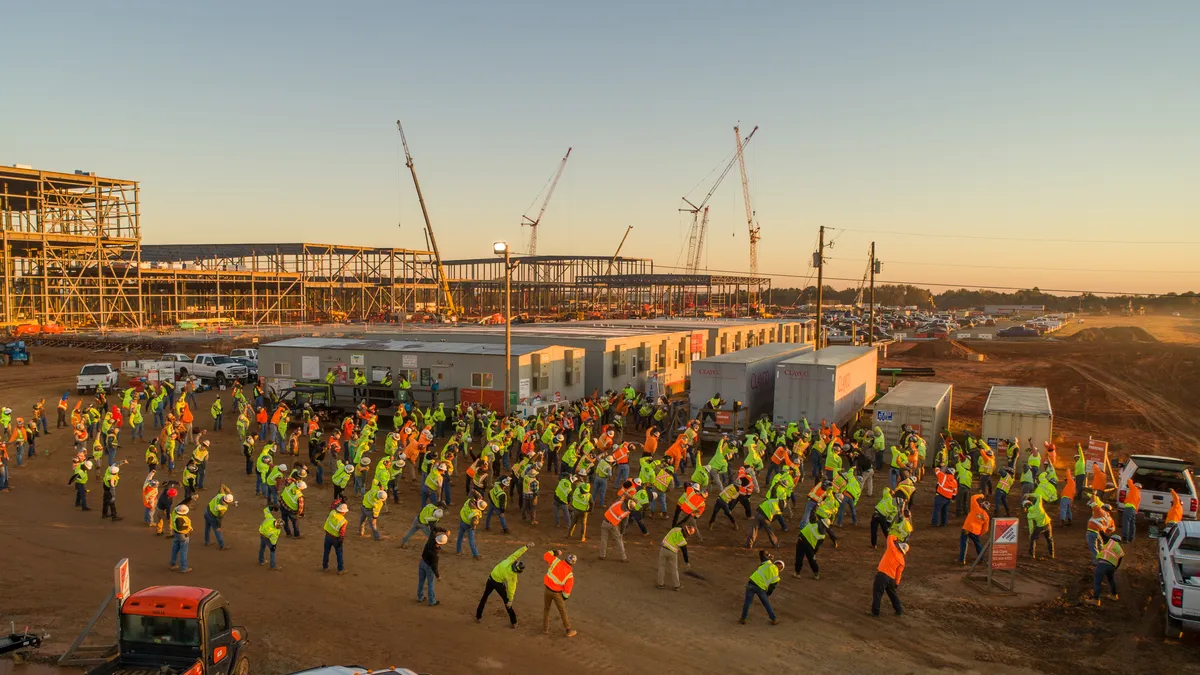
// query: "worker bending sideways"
[[503, 580], [559, 582], [887, 575], [761, 585], [674, 544]]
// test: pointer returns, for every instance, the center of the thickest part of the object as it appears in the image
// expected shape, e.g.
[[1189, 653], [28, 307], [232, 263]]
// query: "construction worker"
[[372, 504], [216, 410], [986, 465], [181, 530], [530, 489], [887, 575], [562, 497], [975, 525], [427, 566], [1175, 511], [886, 512], [1003, 487], [1039, 523], [291, 507], [268, 537], [335, 537], [498, 502], [1133, 501], [809, 541], [616, 518], [947, 489], [1065, 500], [761, 585], [768, 511], [559, 582], [581, 504], [503, 580], [468, 519], [341, 478], [214, 515], [149, 497], [727, 496], [668, 555], [1108, 559], [112, 476], [80, 477], [966, 481], [1100, 526], [425, 520]]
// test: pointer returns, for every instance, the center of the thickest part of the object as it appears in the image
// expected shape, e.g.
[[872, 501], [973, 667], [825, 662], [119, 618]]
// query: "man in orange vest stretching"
[[887, 575], [559, 582]]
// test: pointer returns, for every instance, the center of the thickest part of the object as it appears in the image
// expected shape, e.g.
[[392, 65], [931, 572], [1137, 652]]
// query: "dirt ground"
[[57, 562], [1181, 330]]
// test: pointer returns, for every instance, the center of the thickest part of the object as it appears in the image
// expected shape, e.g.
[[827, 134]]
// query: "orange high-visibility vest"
[[621, 454], [616, 513], [560, 578], [892, 563], [978, 519], [947, 484]]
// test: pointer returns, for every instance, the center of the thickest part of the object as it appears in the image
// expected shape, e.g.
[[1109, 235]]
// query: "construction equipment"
[[700, 216], [741, 146], [443, 282], [613, 262], [534, 222], [14, 640], [14, 352]]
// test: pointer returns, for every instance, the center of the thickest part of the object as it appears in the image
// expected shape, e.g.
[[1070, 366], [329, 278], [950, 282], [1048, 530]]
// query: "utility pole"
[[819, 263], [871, 309]]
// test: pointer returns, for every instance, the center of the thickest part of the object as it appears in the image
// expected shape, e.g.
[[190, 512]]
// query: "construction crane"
[[443, 282], [700, 217], [534, 222], [612, 263], [741, 158]]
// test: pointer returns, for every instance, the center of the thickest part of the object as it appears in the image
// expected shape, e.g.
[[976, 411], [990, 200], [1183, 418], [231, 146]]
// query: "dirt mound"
[[1114, 334], [941, 349]]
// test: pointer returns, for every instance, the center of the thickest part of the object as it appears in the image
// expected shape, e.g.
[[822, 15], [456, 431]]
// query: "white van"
[[1158, 476]]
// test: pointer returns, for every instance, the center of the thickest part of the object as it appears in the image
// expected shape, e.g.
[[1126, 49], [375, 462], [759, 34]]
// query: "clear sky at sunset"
[[1077, 122]]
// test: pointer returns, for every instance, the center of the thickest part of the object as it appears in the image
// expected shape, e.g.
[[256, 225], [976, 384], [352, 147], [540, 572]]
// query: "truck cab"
[[177, 629], [1179, 577]]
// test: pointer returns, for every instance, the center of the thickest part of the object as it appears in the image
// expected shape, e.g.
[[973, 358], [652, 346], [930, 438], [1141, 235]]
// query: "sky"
[[978, 144]]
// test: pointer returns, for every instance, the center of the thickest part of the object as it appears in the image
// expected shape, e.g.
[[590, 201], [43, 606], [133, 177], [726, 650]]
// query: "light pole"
[[501, 248]]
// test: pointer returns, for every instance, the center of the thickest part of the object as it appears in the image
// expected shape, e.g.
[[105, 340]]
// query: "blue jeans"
[[367, 517], [1093, 544], [941, 510], [211, 524], [416, 527], [3, 476], [20, 453], [263, 430], [427, 496], [320, 469], [469, 532], [81, 495], [360, 484], [753, 591], [263, 545], [560, 507], [659, 504], [179, 550], [847, 506], [487, 522], [1129, 523], [893, 477], [217, 422], [291, 526], [808, 509], [962, 545], [136, 433], [149, 510], [446, 491], [335, 543], [425, 581], [1001, 500], [1064, 510], [159, 419], [1104, 570], [622, 474], [599, 487], [201, 469]]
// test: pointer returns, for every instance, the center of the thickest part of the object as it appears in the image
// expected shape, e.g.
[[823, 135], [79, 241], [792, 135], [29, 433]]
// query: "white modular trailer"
[[747, 376], [1018, 412], [924, 406], [650, 360], [477, 370], [719, 336], [831, 384]]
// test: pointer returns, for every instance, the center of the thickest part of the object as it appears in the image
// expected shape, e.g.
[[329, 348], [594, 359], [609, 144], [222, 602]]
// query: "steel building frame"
[[681, 294]]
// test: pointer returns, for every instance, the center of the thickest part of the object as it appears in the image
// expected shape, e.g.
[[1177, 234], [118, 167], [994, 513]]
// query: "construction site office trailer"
[[1017, 412], [923, 406], [747, 376], [720, 336], [654, 361], [477, 370], [831, 384]]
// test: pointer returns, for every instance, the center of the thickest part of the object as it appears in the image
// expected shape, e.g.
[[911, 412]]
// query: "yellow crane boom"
[[737, 134], [443, 282]]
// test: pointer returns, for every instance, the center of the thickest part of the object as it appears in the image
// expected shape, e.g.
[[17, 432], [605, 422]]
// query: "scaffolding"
[[678, 294], [69, 247]]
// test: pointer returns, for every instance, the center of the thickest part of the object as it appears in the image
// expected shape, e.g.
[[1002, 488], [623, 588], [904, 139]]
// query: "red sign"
[[1096, 453], [697, 343], [724, 418], [121, 579], [1005, 533]]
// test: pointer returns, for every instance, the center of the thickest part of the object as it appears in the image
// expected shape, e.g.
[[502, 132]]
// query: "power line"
[[1135, 242], [1016, 267]]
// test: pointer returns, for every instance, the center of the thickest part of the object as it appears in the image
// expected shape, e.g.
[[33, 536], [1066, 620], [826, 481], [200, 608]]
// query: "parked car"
[[1017, 331], [251, 367], [93, 375], [1158, 476], [1179, 577], [251, 354]]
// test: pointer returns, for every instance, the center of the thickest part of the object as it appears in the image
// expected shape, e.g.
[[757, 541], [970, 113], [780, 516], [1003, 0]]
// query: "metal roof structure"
[[547, 330], [194, 252], [1022, 400], [759, 353], [657, 279], [911, 392], [405, 345], [831, 356]]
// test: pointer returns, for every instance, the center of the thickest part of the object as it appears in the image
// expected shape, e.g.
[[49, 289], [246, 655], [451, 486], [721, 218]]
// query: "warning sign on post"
[[1096, 454], [1004, 543], [121, 579]]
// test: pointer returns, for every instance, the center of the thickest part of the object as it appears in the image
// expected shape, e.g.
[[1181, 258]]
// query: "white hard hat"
[[437, 513], [780, 564], [348, 467], [115, 469], [182, 509], [87, 464], [365, 461], [381, 494], [228, 498], [480, 504], [206, 443], [301, 485], [342, 508], [283, 467], [441, 539]]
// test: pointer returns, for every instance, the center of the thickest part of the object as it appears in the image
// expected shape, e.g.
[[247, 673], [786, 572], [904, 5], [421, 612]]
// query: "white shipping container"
[[924, 406], [1018, 412], [747, 376], [831, 384]]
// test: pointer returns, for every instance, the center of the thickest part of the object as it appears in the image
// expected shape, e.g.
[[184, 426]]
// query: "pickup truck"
[[251, 354], [1179, 577], [155, 371], [179, 630], [217, 368], [1158, 476], [93, 375]]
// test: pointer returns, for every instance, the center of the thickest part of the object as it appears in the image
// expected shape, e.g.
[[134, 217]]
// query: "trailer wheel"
[[242, 667]]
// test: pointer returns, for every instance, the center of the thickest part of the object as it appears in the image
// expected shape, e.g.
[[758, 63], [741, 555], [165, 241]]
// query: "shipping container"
[[831, 384], [923, 406], [747, 376], [1017, 412]]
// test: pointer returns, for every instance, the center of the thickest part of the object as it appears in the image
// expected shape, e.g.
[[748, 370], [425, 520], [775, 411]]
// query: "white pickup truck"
[[1158, 476], [93, 375], [217, 368], [152, 370], [1179, 577]]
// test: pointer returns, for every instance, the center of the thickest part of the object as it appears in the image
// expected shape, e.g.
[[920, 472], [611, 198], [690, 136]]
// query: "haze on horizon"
[[910, 124]]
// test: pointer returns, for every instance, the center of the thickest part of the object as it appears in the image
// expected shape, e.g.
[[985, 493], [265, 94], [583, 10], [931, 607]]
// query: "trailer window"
[[481, 380], [1191, 544], [94, 370], [160, 630], [283, 369]]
